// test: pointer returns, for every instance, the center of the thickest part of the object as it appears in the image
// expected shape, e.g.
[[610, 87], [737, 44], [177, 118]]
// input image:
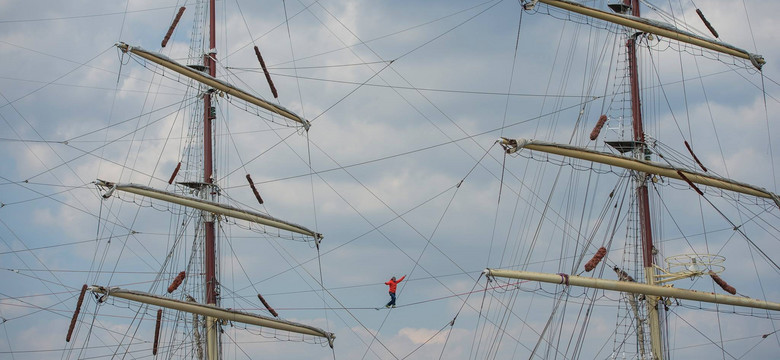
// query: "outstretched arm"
[[401, 279]]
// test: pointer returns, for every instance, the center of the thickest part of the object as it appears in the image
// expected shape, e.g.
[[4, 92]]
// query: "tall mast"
[[643, 203], [211, 209], [209, 61], [642, 167]]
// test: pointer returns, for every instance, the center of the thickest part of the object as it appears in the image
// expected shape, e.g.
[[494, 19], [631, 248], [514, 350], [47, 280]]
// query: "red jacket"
[[394, 283]]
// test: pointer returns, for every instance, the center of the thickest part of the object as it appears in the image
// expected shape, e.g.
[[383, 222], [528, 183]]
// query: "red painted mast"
[[209, 114], [639, 137], [208, 165], [643, 202]]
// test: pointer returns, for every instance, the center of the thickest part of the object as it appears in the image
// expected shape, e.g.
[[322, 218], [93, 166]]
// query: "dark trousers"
[[392, 299]]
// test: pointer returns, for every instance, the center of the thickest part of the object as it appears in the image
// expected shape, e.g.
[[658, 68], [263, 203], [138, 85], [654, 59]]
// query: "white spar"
[[209, 206], [213, 311]]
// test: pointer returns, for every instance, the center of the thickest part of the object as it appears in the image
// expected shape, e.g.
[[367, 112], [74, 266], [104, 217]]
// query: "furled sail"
[[214, 312], [657, 28], [209, 206], [512, 145], [634, 287], [206, 79]]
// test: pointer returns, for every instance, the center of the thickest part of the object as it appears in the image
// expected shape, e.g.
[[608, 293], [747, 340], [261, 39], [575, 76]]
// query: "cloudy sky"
[[399, 171]]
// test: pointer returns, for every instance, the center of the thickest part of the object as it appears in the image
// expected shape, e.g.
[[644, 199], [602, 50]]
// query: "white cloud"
[[400, 156]]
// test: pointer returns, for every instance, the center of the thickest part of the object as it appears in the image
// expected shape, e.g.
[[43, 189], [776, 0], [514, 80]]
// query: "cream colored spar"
[[214, 312], [209, 206], [636, 164], [635, 288], [657, 28], [206, 79]]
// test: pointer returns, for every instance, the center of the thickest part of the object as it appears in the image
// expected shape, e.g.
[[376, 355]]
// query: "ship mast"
[[642, 199], [652, 289], [209, 61], [210, 211], [640, 152]]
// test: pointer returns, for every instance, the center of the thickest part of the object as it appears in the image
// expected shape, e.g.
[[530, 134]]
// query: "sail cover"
[[209, 206], [513, 145], [207, 79], [214, 311]]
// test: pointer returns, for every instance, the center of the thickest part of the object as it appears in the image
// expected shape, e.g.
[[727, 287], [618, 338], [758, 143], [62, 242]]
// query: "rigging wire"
[[51, 82], [375, 226], [292, 55], [57, 281], [237, 344], [92, 152], [103, 260], [663, 91], [744, 235], [119, 346], [35, 154], [237, 260], [713, 342], [313, 277], [510, 312], [306, 8], [74, 17], [408, 82], [334, 161], [321, 282], [425, 148], [472, 350], [429, 239], [421, 89], [581, 112], [41, 195], [77, 86], [505, 316], [316, 227], [769, 133]]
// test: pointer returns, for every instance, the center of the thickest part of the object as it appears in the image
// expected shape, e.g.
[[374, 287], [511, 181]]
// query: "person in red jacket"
[[393, 283]]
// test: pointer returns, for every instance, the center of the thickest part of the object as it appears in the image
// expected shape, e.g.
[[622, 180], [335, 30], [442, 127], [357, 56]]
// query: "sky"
[[399, 171]]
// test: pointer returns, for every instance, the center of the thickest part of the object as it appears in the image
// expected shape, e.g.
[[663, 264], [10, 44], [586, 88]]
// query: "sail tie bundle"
[[596, 259], [210, 206], [175, 172], [512, 146], [208, 80], [695, 158], [157, 332], [707, 23], [176, 282], [267, 74], [270, 309], [682, 176], [76, 313], [254, 189], [212, 311], [597, 129], [173, 26], [722, 283]]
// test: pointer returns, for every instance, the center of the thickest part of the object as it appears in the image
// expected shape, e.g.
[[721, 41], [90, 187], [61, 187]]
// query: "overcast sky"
[[399, 171]]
